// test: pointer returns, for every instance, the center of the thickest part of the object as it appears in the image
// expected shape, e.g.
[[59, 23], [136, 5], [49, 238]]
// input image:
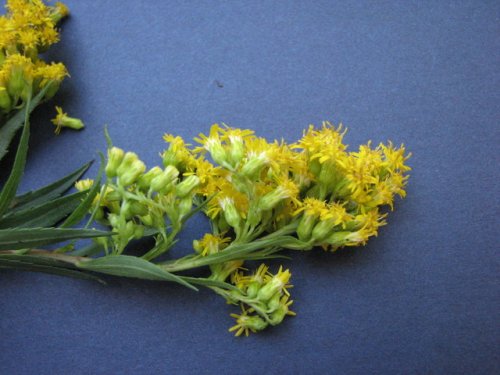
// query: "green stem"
[[233, 252]]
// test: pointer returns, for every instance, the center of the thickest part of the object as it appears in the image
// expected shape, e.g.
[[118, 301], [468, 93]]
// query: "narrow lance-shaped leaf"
[[43, 264], [45, 215], [14, 239], [130, 266], [10, 187], [48, 192]]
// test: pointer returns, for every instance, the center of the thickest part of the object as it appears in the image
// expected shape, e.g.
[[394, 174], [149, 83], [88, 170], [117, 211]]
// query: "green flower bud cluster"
[[136, 202]]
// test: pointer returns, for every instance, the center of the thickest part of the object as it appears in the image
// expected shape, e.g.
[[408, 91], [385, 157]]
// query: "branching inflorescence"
[[260, 197]]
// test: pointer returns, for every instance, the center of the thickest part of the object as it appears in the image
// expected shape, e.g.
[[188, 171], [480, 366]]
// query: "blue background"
[[422, 297]]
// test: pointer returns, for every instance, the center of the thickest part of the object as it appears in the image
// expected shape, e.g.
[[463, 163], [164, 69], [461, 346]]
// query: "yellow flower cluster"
[[28, 29], [260, 197], [310, 193], [257, 186], [263, 297]]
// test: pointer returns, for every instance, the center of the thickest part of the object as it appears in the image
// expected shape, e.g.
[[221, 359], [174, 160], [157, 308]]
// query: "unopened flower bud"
[[254, 216], [133, 174], [126, 163], [253, 289], [115, 157], [255, 323], [186, 186], [217, 151], [270, 200], [231, 214], [274, 302], [254, 165], [237, 150], [130, 169], [144, 182], [327, 175], [277, 316], [185, 206], [5, 100], [164, 181], [322, 230], [275, 285], [170, 158], [16, 82], [305, 228]]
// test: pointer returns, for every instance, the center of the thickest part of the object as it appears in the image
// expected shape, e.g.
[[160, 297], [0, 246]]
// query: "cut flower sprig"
[[260, 197]]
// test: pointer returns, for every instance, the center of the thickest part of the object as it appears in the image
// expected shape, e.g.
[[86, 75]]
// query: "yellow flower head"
[[395, 158], [178, 154], [211, 244], [226, 192], [50, 72], [82, 185], [337, 214], [312, 207], [324, 144], [246, 323]]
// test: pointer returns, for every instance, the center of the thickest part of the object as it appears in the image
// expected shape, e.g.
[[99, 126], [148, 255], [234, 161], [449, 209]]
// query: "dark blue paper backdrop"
[[423, 297]]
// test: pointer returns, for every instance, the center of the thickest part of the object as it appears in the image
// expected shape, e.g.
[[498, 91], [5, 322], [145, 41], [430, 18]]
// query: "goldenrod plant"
[[260, 198]]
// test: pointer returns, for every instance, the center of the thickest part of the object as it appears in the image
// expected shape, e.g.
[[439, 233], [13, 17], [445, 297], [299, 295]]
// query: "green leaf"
[[9, 129], [130, 266], [10, 187], [45, 215], [48, 192], [14, 239], [43, 264]]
